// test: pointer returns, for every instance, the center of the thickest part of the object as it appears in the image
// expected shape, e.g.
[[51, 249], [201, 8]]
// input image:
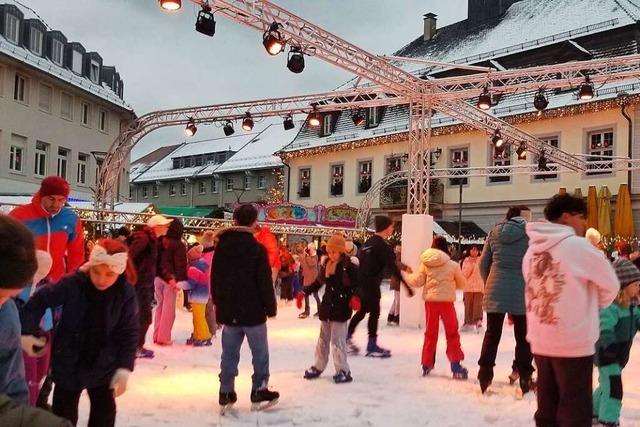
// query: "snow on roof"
[[139, 166], [6, 203], [23, 55], [259, 153], [527, 24]]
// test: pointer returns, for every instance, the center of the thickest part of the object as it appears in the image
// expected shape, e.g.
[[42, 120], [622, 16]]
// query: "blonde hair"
[[623, 299]]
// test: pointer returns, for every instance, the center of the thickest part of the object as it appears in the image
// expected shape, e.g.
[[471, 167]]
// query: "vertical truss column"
[[418, 163]]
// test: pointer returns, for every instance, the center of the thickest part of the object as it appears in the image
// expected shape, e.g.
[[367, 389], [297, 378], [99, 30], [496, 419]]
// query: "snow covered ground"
[[180, 386]]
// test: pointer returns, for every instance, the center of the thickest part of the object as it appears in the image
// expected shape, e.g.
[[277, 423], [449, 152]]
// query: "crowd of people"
[[76, 316]]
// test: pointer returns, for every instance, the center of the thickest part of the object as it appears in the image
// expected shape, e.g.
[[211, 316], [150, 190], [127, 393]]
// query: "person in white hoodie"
[[566, 281]]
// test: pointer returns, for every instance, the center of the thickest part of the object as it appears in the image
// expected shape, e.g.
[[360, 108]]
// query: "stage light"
[[247, 123], [191, 128], [521, 151], [295, 61], [540, 101], [205, 23], [171, 5], [272, 39], [484, 100], [228, 128], [358, 118], [542, 162], [314, 118], [497, 139], [585, 93], [288, 123]]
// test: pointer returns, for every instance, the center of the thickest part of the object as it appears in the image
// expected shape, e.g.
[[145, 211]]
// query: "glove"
[[608, 355], [33, 346], [119, 381], [299, 298], [355, 303]]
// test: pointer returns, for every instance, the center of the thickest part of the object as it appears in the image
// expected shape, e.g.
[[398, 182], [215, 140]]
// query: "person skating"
[[439, 276], [375, 255], [473, 291], [197, 286], [618, 325], [94, 345], [393, 319], [309, 266], [340, 278], [243, 291], [567, 281]]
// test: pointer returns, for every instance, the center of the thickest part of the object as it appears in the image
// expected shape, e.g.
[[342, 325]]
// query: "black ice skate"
[[226, 401], [263, 399]]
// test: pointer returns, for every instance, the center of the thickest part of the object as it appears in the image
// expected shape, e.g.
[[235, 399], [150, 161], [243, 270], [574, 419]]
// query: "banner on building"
[[333, 216]]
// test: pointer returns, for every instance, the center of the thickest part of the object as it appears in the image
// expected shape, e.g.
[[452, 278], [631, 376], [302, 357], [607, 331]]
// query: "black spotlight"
[[272, 40], [358, 119], [247, 123], [288, 123], [191, 128], [585, 92], [540, 101], [170, 4], [228, 128], [484, 100], [205, 23], [521, 151], [314, 119], [497, 139], [295, 61], [542, 162]]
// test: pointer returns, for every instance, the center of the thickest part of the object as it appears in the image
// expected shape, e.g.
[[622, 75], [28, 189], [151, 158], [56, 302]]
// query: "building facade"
[[60, 109]]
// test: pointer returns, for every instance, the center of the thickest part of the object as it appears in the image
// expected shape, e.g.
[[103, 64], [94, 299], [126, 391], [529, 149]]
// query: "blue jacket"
[[12, 376], [120, 337], [501, 267], [197, 282]]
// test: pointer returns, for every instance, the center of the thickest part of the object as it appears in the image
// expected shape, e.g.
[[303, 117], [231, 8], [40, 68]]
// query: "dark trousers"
[[307, 307], [564, 391], [103, 405], [370, 305], [492, 339], [145, 297]]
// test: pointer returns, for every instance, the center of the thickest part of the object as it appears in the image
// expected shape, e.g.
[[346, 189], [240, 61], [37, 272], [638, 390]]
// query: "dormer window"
[[94, 71], [76, 62], [35, 41], [373, 117], [12, 28], [326, 125], [57, 51]]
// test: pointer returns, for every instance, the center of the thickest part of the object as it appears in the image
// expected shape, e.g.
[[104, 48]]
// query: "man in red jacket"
[[57, 230], [265, 237]]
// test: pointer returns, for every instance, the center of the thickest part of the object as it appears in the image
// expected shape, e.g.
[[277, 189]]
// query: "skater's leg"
[[547, 393], [490, 346], [322, 347], [103, 407], [232, 337], [339, 346], [450, 322], [524, 358], [430, 334], [610, 396], [65, 403], [257, 338]]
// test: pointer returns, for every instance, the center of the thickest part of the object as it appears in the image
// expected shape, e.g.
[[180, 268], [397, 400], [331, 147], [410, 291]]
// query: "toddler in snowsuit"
[[618, 324], [197, 284], [340, 276]]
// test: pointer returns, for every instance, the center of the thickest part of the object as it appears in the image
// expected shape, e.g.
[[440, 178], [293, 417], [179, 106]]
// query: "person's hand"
[[119, 381], [33, 346], [355, 303]]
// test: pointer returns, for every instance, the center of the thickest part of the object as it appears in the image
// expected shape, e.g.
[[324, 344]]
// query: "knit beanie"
[[382, 223], [54, 186], [626, 271], [337, 243]]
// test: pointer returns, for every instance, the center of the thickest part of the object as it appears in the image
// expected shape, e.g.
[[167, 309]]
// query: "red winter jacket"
[[266, 238], [61, 235]]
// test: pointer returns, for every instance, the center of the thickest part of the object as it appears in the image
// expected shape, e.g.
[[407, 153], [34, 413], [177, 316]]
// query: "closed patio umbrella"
[[578, 192], [592, 207], [562, 190], [623, 220], [604, 211]]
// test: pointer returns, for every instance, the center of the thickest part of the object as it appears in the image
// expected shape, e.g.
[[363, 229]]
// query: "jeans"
[[145, 296], [103, 405], [232, 338], [435, 311], [334, 333], [165, 311], [210, 315]]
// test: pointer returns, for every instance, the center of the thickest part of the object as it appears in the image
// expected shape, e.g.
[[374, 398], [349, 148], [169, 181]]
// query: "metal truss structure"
[[387, 84]]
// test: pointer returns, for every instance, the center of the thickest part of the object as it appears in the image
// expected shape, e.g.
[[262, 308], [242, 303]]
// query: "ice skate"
[[514, 376], [226, 401], [263, 399], [459, 372], [373, 350], [426, 370], [312, 373], [342, 377]]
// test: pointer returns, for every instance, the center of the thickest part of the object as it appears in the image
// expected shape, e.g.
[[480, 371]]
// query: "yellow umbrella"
[[623, 223], [562, 190], [592, 207], [578, 192], [604, 211]]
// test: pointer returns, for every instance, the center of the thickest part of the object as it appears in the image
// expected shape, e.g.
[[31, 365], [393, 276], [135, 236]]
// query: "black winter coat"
[[241, 282], [339, 289], [376, 255], [172, 255], [143, 250], [118, 345]]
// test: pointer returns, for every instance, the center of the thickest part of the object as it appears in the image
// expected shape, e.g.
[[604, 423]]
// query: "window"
[[326, 124], [35, 41], [83, 162], [12, 28], [337, 176], [172, 190], [373, 116], [15, 158], [186, 162], [214, 186], [145, 192], [183, 188], [210, 159], [94, 71], [364, 176], [501, 159], [63, 159], [57, 51], [176, 163], [130, 193], [202, 187], [247, 182], [76, 62], [553, 141], [155, 191], [229, 184], [198, 160], [46, 95], [66, 106], [19, 88], [41, 159], [262, 182], [459, 159], [304, 183], [600, 144], [103, 122], [221, 157], [394, 164], [85, 111]]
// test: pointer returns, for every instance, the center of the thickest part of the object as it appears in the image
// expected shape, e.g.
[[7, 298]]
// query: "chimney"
[[429, 26]]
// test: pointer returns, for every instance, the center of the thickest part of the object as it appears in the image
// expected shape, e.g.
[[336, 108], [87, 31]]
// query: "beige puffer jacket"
[[439, 275], [471, 271]]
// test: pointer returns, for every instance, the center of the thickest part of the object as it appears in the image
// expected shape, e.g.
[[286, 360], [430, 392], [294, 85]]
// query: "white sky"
[[165, 63]]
